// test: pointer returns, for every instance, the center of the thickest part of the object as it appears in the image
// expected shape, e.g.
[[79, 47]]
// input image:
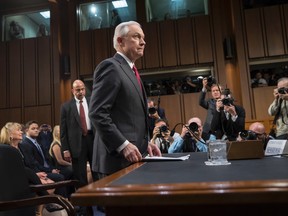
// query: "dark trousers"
[[79, 164], [56, 178]]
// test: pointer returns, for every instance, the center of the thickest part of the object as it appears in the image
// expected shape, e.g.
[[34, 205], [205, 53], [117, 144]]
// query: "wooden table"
[[258, 186]]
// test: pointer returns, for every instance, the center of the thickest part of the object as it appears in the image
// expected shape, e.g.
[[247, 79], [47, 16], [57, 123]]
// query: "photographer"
[[278, 108], [154, 113], [256, 132], [161, 135], [228, 119], [209, 104], [190, 139]]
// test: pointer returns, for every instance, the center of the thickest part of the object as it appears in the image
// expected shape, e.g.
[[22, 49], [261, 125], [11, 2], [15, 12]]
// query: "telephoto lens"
[[193, 127], [227, 101], [162, 129], [248, 135], [282, 90], [152, 110]]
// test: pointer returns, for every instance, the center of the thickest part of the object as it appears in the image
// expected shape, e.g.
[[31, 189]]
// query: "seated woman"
[[56, 154], [12, 134]]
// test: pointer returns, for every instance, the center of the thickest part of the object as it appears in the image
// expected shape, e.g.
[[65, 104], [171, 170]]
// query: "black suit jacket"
[[220, 125], [118, 110], [70, 128], [32, 158]]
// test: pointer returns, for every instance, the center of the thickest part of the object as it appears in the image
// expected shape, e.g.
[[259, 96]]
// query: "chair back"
[[14, 183]]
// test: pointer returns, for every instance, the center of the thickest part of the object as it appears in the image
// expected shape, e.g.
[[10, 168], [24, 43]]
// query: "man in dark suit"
[[155, 112], [228, 119], [118, 107], [77, 136], [34, 156]]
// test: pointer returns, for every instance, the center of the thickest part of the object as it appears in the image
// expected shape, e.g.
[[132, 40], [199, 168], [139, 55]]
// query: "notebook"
[[247, 149]]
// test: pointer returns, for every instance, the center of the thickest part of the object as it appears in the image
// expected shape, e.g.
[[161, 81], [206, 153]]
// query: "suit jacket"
[[220, 125], [32, 157], [210, 105], [70, 128], [151, 121], [118, 111]]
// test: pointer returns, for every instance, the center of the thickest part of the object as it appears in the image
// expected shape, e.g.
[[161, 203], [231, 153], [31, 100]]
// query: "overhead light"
[[120, 4], [93, 9], [45, 14]]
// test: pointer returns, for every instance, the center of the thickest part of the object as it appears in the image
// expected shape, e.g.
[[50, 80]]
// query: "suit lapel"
[[75, 111], [130, 74]]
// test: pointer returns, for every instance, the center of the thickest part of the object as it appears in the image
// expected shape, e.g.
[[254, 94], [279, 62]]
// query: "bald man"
[[76, 141], [259, 132], [190, 140]]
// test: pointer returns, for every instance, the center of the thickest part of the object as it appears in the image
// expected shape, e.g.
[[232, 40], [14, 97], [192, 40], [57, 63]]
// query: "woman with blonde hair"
[[56, 154], [12, 134]]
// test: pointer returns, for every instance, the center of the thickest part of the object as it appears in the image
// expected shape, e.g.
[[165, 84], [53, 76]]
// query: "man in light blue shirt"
[[191, 139]]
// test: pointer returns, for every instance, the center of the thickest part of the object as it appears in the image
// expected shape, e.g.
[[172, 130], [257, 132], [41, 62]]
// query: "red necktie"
[[137, 76], [83, 118]]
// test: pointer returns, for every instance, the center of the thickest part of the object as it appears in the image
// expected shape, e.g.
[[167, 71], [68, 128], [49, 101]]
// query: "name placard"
[[276, 147]]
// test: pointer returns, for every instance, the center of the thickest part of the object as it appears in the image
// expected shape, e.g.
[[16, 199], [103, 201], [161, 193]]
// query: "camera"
[[227, 101], [248, 135], [152, 110], [162, 129], [210, 80], [282, 90], [193, 127]]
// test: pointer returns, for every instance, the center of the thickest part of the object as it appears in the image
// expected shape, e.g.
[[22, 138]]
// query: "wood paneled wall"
[[32, 85], [26, 81]]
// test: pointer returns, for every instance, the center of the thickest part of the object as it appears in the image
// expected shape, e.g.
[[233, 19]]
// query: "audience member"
[[34, 156], [42, 30], [188, 86], [11, 134], [154, 112], [16, 31], [95, 22], [77, 135], [279, 108], [162, 136], [45, 138], [118, 107], [56, 154], [115, 19], [228, 119], [258, 80], [191, 139], [209, 104], [256, 132]]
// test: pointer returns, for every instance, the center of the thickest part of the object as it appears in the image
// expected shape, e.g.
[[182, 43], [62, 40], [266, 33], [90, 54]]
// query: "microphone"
[[173, 130]]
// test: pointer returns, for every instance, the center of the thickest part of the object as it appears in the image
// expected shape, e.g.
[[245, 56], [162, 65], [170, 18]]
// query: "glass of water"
[[217, 153]]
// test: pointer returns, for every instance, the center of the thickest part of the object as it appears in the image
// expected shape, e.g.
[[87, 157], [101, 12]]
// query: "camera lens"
[[193, 126], [163, 128], [248, 135], [227, 101], [282, 90], [152, 110]]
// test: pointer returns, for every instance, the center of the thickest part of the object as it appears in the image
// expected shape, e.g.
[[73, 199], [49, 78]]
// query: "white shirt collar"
[[127, 59]]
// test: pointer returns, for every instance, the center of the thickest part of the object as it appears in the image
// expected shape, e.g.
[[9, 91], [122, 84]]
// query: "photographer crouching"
[[256, 132], [190, 139], [162, 135], [228, 119]]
